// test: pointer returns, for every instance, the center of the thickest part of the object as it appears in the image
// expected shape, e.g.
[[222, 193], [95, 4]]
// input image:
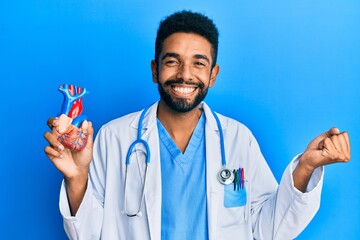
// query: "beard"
[[182, 105]]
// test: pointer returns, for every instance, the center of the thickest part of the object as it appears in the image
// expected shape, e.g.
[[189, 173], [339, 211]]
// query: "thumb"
[[332, 131], [90, 132], [87, 126]]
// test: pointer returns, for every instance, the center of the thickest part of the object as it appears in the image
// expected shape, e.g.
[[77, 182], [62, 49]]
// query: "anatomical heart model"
[[72, 128]]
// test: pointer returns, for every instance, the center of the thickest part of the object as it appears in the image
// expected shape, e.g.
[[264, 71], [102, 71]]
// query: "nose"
[[185, 72]]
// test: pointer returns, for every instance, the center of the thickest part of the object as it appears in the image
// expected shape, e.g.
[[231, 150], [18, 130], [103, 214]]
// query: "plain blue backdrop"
[[290, 70]]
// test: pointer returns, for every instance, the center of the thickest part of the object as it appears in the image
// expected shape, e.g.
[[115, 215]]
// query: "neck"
[[179, 125]]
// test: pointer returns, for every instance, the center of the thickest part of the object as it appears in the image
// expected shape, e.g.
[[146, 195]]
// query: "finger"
[[345, 146], [333, 131], [347, 139], [90, 137], [90, 130], [323, 136], [53, 141], [318, 142], [52, 122], [329, 149], [339, 152], [52, 153], [49, 122], [321, 144], [84, 125], [335, 139]]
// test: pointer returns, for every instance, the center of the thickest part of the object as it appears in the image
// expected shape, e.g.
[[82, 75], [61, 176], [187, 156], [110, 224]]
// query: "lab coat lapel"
[[153, 181], [213, 166]]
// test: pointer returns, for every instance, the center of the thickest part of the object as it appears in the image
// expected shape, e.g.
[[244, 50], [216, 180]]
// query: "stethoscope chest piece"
[[225, 176]]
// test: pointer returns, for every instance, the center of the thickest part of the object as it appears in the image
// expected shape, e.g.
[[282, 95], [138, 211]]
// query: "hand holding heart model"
[[71, 129]]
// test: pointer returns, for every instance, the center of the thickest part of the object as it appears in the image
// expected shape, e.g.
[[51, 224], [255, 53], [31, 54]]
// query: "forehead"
[[187, 44]]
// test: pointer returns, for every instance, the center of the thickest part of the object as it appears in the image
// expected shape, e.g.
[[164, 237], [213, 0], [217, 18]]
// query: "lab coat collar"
[[149, 120], [210, 119]]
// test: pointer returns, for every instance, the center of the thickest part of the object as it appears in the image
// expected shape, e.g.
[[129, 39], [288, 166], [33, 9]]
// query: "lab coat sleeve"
[[87, 222], [281, 212], [294, 209]]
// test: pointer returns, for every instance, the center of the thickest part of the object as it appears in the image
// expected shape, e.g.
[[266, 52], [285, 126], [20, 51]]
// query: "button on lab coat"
[[272, 211]]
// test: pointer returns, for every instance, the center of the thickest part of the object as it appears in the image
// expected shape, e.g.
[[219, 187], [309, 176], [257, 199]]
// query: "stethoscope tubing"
[[141, 141], [221, 136]]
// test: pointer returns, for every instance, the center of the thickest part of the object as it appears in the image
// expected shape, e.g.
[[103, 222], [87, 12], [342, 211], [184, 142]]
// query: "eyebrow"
[[170, 54], [201, 56], [176, 55]]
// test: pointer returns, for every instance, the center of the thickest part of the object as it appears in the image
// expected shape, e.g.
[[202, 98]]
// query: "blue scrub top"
[[184, 207]]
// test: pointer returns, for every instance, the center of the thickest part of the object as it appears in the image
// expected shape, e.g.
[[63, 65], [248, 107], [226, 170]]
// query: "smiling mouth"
[[183, 90]]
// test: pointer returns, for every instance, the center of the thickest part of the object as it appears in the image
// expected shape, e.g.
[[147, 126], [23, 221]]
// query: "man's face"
[[184, 73]]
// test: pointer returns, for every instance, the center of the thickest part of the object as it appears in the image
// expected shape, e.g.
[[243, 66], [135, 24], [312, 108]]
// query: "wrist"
[[78, 180], [305, 165], [302, 174], [76, 188]]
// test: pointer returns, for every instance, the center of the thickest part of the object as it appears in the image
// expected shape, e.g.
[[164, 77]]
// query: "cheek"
[[166, 74], [204, 77]]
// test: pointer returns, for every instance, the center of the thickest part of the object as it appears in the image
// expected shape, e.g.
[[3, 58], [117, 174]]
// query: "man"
[[183, 194]]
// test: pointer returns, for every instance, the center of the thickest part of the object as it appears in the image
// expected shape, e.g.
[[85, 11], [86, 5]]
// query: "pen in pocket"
[[239, 179], [242, 177], [235, 179]]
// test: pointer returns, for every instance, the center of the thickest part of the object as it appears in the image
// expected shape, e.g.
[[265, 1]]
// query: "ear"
[[154, 71], [214, 72]]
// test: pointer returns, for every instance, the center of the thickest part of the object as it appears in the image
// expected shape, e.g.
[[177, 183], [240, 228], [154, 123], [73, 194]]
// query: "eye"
[[170, 62], [200, 64]]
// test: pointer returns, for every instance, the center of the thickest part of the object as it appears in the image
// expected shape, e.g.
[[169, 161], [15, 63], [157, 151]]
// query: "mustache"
[[182, 81]]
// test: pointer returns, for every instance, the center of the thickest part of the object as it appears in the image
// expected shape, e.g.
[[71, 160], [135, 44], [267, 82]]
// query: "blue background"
[[289, 70]]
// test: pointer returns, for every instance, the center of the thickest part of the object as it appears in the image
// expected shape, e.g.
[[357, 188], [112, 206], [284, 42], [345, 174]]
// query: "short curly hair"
[[187, 22]]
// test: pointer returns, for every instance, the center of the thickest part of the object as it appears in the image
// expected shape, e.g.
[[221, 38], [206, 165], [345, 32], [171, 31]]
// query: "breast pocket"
[[234, 196], [235, 206]]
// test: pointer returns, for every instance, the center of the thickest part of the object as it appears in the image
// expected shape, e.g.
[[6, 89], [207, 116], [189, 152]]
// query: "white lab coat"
[[271, 212]]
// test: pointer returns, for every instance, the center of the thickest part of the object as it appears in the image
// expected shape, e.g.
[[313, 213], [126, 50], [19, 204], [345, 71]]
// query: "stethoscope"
[[225, 175]]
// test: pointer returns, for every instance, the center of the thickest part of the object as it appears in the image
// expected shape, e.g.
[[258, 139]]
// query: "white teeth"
[[184, 89]]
